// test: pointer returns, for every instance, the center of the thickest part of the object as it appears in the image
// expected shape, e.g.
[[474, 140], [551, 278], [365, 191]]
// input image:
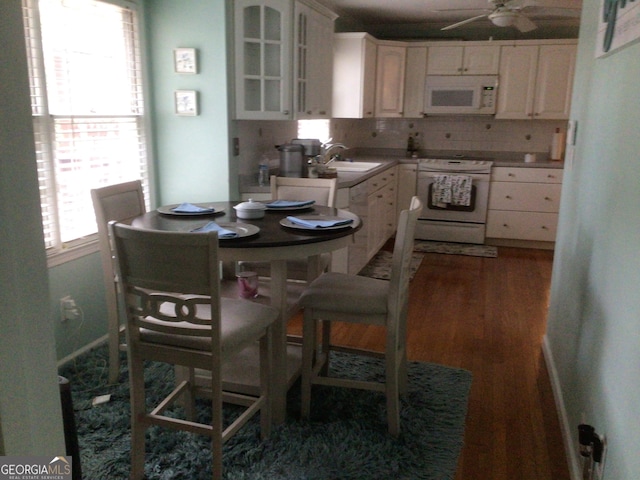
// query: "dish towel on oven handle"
[[461, 190], [451, 190], [441, 190]]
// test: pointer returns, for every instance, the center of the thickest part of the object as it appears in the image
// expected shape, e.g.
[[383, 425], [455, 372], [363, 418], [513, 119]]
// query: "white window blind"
[[88, 108]]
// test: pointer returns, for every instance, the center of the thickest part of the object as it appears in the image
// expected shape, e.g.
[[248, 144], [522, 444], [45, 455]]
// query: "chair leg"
[[326, 346], [114, 352], [393, 397], [308, 350], [138, 410], [265, 384], [216, 423]]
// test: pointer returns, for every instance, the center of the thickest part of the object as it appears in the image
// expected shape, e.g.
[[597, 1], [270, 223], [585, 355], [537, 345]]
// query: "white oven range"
[[455, 195]]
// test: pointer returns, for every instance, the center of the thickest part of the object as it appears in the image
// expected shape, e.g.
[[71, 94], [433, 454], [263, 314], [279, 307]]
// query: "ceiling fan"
[[512, 13]]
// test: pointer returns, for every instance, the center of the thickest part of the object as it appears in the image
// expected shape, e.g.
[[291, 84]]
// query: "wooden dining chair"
[[192, 327], [356, 299], [321, 190], [122, 202]]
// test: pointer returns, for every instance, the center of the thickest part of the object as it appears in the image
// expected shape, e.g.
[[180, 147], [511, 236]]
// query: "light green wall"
[[192, 153], [594, 317]]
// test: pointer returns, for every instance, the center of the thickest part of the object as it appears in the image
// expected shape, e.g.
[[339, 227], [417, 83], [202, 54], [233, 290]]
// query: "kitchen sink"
[[343, 166]]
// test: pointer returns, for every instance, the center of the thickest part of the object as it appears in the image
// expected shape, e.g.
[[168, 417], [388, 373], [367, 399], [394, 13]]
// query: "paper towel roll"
[[557, 145]]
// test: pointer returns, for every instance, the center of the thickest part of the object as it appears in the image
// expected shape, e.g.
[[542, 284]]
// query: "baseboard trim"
[[569, 434], [86, 348]]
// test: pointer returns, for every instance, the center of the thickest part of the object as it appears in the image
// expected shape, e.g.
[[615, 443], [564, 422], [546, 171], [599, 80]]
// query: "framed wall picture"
[[186, 102], [185, 60]]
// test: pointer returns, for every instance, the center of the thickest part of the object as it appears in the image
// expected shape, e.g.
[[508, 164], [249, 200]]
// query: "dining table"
[[275, 238]]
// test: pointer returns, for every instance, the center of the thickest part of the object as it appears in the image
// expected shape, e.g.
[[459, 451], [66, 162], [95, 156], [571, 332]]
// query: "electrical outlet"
[[68, 309]]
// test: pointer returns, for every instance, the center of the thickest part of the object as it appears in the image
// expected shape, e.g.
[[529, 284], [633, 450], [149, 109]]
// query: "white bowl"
[[250, 209]]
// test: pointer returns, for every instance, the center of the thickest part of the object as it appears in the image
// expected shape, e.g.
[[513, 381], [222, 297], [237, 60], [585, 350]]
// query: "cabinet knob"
[[309, 112], [286, 112], [547, 198], [508, 197], [505, 225], [551, 176], [511, 174], [544, 227], [323, 112]]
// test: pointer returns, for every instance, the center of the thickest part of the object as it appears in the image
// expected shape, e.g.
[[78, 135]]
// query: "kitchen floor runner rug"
[[346, 437], [456, 248], [380, 265]]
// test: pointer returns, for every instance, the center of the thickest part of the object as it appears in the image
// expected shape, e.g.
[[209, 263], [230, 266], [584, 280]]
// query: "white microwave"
[[460, 94]]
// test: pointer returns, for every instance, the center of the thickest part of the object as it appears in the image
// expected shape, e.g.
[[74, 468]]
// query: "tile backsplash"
[[449, 133], [463, 133]]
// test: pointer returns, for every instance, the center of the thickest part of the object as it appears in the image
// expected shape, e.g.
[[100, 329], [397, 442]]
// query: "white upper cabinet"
[[415, 72], [467, 60], [354, 75], [535, 81], [390, 72], [313, 62], [556, 67], [263, 59], [282, 73]]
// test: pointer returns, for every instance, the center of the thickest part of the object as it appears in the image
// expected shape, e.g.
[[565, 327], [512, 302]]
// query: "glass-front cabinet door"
[[263, 59]]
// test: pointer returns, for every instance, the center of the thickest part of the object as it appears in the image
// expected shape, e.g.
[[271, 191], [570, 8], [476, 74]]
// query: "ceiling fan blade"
[[523, 24], [464, 22]]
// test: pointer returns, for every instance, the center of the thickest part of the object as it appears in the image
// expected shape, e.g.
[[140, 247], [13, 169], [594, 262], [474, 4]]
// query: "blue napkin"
[[319, 223], [213, 226], [191, 208], [289, 203]]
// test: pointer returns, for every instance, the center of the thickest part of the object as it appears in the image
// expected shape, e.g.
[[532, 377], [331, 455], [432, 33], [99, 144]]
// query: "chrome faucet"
[[326, 156]]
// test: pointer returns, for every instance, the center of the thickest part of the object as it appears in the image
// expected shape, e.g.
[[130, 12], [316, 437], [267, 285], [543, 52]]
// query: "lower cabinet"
[[374, 201], [524, 203], [407, 185]]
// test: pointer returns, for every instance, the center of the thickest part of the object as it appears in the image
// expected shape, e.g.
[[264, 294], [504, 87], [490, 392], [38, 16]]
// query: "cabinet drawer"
[[517, 174], [527, 197], [381, 180], [522, 225]]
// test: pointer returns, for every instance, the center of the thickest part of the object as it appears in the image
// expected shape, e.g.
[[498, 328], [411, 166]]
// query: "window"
[[314, 129], [88, 109]]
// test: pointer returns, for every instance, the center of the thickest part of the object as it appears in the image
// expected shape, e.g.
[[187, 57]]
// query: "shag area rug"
[[456, 248], [346, 438], [380, 265]]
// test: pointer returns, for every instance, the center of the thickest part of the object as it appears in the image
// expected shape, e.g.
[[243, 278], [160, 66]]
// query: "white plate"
[[285, 222], [242, 229], [168, 210]]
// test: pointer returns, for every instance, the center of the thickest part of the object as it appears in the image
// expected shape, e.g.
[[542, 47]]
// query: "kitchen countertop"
[[390, 157]]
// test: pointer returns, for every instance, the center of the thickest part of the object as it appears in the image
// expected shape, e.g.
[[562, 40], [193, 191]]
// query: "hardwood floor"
[[487, 315]]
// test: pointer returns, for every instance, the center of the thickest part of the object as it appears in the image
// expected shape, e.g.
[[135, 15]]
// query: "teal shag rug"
[[345, 438]]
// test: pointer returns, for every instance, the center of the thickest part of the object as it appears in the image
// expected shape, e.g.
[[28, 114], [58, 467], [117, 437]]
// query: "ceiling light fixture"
[[503, 18]]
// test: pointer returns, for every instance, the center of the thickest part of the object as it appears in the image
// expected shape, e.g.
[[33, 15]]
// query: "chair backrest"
[[322, 190], [122, 202], [398, 299], [151, 263]]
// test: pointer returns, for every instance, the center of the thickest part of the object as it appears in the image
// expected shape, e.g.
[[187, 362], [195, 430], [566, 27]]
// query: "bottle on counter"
[[263, 172], [411, 146]]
